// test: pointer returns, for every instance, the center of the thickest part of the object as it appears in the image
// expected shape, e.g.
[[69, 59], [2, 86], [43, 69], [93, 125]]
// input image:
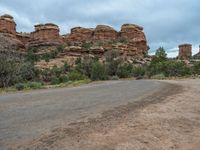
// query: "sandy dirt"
[[166, 120]]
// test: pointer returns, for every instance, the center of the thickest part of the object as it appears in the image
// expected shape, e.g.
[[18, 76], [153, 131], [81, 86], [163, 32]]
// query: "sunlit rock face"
[[185, 51], [104, 32], [8, 30], [45, 35], [7, 24]]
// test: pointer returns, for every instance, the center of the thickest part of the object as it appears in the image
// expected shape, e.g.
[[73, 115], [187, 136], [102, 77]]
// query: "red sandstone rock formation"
[[7, 24], [137, 43], [45, 35], [8, 29], [185, 51], [130, 41], [104, 32], [23, 37], [80, 34]]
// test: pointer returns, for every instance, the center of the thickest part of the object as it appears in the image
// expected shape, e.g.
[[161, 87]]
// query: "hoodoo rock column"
[[185, 51], [45, 35], [7, 25], [137, 43]]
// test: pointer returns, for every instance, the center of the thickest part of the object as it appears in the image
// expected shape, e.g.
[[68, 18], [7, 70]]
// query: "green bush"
[[114, 78], [124, 70], [20, 86], [86, 45], [98, 71], [60, 48], [196, 68], [123, 40], [27, 71], [159, 76], [63, 79], [139, 71], [55, 80], [34, 85], [74, 76]]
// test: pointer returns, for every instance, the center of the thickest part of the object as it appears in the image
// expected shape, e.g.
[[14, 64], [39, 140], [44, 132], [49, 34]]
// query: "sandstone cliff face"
[[104, 32], [7, 25], [80, 34], [130, 41], [185, 51], [45, 35], [8, 30]]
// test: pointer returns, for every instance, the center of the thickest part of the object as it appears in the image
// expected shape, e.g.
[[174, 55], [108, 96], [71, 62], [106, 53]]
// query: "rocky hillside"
[[130, 41]]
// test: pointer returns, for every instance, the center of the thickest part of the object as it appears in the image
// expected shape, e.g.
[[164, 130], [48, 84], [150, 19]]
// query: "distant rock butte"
[[130, 40], [185, 51]]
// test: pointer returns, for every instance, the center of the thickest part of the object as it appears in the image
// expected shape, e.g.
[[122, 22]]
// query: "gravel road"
[[26, 116]]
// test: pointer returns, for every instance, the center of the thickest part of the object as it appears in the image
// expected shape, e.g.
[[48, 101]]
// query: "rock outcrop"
[[197, 56], [7, 25], [80, 34], [23, 37], [185, 51], [130, 41], [8, 30], [45, 35], [104, 33]]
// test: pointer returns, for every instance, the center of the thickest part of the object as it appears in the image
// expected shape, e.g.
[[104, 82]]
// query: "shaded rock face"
[[185, 51], [45, 35]]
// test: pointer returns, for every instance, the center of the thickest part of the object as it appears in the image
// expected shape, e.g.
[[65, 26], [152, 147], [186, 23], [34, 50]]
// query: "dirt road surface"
[[121, 115]]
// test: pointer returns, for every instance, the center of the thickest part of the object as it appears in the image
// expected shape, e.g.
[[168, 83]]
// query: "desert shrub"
[[123, 40], [196, 68], [74, 76], [63, 78], [9, 71], [60, 48], [139, 71], [27, 72], [19, 86], [170, 68], [56, 71], [66, 67], [159, 76], [34, 85], [55, 80], [86, 45], [45, 75], [112, 62], [124, 70], [114, 78], [98, 71], [32, 56], [174, 68]]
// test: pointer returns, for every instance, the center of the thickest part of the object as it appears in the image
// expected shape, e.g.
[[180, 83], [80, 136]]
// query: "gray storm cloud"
[[166, 23]]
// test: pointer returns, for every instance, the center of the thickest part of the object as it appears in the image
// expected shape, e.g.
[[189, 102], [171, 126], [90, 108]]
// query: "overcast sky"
[[166, 23]]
